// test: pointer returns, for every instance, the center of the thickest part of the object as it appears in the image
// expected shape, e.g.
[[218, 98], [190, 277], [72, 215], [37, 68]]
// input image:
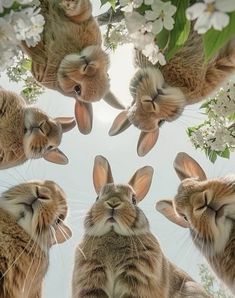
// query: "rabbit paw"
[[71, 7]]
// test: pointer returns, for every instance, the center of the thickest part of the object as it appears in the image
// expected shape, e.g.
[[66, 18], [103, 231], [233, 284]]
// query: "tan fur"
[[161, 93], [28, 214], [207, 208], [27, 132], [118, 256], [70, 59]]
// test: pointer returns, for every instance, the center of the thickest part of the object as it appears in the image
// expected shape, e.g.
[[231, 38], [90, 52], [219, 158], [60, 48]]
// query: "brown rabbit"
[[160, 94], [119, 257], [207, 208], [70, 59], [31, 221], [27, 132]]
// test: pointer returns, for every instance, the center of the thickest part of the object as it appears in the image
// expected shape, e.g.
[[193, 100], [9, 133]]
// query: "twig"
[[110, 17]]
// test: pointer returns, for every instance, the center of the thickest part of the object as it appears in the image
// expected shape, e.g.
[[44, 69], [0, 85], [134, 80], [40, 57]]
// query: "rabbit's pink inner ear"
[[146, 142], [120, 123], [141, 182], [166, 208], [67, 123], [102, 173], [84, 116], [56, 156], [62, 234], [186, 167], [111, 99]]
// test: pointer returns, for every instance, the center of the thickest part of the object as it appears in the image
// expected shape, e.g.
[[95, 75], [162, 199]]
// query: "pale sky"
[[76, 177]]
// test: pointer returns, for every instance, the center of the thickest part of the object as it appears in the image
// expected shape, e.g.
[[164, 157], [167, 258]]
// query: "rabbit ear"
[[120, 123], [112, 100], [166, 208], [141, 182], [67, 123], [186, 167], [62, 233], [146, 142], [56, 156], [102, 173], [84, 116]]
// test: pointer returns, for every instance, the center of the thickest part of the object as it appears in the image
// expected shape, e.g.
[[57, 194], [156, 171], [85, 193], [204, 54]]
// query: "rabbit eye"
[[97, 198], [59, 219], [185, 218], [134, 200], [162, 121], [78, 89], [50, 147]]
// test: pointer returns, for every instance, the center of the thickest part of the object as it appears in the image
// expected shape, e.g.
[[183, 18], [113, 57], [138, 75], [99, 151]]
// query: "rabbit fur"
[[27, 132], [69, 58], [161, 93], [119, 257], [31, 221], [207, 208]]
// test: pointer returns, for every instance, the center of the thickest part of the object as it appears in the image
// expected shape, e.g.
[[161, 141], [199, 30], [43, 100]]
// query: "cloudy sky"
[[76, 177]]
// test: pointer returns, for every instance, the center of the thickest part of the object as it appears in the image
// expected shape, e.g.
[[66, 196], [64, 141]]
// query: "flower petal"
[[219, 20], [150, 15], [194, 11], [134, 21], [168, 23], [225, 5], [203, 23]]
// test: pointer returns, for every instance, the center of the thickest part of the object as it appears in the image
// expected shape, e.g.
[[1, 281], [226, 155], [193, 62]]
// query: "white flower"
[[154, 55], [134, 21], [5, 4], [209, 14], [140, 40], [7, 34], [161, 15]]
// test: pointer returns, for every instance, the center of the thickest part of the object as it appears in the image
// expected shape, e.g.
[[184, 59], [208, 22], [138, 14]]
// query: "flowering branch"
[[216, 135]]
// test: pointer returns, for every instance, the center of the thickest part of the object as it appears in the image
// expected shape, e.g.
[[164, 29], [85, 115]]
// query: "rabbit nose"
[[45, 128], [113, 203]]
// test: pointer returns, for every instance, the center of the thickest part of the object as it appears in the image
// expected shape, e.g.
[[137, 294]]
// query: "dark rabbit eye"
[[134, 200], [185, 218], [78, 89], [50, 147], [59, 219], [162, 121], [97, 198]]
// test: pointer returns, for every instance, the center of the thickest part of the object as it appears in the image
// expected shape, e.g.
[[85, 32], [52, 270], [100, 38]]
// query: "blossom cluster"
[[217, 134], [143, 27], [210, 13], [19, 21]]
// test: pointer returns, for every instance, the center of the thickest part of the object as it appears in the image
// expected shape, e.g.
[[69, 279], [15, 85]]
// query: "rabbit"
[[119, 256], [69, 58], [161, 93], [28, 133], [31, 221], [207, 208]]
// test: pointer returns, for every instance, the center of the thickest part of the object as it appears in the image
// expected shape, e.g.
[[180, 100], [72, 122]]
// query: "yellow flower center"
[[210, 7]]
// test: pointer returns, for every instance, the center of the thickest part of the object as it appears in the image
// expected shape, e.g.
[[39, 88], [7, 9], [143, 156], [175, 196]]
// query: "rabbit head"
[[40, 208], [42, 135], [206, 207], [154, 102], [116, 205], [84, 76]]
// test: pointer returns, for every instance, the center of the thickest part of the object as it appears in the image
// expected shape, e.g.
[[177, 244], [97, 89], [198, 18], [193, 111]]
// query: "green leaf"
[[213, 39], [162, 38], [181, 30], [26, 65], [225, 153], [212, 156]]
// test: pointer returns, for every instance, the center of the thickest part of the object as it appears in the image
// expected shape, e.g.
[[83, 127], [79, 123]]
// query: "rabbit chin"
[[164, 101], [214, 236], [108, 224]]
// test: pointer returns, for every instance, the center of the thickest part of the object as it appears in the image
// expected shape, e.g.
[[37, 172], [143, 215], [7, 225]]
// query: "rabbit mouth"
[[111, 219]]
